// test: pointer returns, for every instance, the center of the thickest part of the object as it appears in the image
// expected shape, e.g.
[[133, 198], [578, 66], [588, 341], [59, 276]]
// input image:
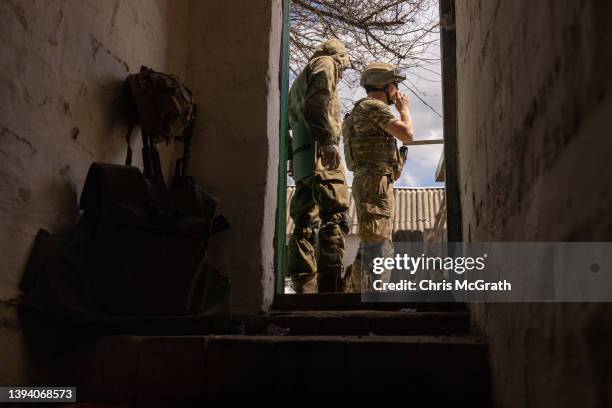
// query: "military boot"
[[304, 283]]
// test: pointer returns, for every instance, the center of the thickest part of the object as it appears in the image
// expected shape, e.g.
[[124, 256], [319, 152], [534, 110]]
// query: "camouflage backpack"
[[164, 104]]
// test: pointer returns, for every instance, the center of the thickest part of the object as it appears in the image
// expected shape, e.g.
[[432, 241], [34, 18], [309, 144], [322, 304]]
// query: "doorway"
[[443, 172]]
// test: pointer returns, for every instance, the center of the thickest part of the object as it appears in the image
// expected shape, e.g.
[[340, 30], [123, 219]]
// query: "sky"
[[420, 167]]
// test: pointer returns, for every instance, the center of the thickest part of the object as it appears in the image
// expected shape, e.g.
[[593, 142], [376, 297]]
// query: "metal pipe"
[[425, 142]]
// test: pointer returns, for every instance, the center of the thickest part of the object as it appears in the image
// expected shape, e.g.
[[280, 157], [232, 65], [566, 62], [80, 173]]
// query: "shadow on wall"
[[118, 112]]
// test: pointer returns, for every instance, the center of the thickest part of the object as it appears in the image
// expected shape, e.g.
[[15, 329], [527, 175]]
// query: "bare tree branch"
[[399, 32]]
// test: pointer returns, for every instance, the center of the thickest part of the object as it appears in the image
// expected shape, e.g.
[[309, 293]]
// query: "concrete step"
[[357, 322], [296, 370], [429, 301]]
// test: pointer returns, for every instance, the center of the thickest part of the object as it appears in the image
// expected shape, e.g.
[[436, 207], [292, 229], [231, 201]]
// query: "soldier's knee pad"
[[341, 219], [307, 232], [345, 222], [331, 237]]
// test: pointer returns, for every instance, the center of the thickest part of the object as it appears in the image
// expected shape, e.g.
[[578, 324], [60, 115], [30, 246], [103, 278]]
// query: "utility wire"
[[424, 103]]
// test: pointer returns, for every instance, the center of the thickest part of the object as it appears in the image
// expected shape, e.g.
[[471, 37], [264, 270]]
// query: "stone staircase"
[[297, 358]]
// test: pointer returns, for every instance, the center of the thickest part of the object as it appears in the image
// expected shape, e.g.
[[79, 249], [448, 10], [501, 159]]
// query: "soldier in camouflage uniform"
[[321, 195], [370, 132]]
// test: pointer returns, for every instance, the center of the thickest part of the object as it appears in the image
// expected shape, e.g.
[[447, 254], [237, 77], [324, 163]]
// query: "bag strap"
[[151, 162], [128, 141]]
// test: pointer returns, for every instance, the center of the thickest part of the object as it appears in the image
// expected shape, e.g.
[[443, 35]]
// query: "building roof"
[[415, 208]]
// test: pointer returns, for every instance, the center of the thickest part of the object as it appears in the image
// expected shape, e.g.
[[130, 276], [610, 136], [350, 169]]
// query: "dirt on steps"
[[357, 322]]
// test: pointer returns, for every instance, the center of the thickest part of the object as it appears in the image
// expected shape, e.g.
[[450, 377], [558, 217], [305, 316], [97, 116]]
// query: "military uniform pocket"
[[374, 194], [330, 190]]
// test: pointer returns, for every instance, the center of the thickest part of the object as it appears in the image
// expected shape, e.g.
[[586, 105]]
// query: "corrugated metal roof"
[[415, 208]]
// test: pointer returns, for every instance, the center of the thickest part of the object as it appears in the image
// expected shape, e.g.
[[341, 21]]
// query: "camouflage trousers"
[[375, 206], [316, 247]]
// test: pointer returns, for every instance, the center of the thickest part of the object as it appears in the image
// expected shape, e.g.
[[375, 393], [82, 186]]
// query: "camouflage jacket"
[[370, 117], [314, 98]]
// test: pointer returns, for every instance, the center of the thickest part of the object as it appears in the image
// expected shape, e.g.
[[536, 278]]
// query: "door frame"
[[448, 45]]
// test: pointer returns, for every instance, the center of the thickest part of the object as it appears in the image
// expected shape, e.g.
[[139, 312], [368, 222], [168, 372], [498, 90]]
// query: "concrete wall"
[[61, 69], [234, 69], [62, 66], [535, 101]]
